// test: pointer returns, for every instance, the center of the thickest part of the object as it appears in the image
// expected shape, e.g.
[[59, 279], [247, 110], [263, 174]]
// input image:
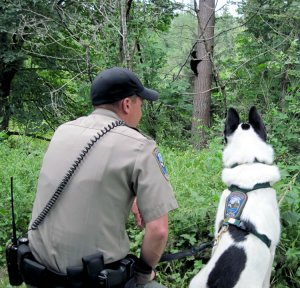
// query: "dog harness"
[[235, 203]]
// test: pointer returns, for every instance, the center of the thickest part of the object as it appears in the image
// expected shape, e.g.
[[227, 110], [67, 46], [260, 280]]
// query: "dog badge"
[[235, 203], [160, 162]]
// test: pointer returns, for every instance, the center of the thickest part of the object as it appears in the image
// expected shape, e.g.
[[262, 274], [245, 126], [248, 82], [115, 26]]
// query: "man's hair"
[[115, 106]]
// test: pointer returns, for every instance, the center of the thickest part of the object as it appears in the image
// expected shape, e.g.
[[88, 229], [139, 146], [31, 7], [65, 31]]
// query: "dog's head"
[[246, 141], [247, 152], [255, 122]]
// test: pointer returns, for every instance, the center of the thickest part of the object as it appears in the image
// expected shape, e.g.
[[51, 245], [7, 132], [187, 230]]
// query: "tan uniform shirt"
[[92, 211]]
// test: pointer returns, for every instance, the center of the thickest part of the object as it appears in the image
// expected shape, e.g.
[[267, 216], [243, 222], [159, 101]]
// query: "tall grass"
[[196, 180]]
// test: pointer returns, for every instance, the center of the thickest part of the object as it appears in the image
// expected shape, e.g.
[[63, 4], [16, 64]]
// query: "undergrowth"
[[196, 179]]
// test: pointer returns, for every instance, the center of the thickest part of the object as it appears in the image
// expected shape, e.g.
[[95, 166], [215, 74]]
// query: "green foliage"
[[262, 69], [287, 255], [20, 159], [196, 179], [58, 49], [157, 14], [62, 47]]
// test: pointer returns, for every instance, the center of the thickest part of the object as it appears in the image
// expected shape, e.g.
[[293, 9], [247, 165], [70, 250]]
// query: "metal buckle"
[[103, 279], [223, 230]]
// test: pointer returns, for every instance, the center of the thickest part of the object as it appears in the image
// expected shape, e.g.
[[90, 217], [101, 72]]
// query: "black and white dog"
[[247, 226]]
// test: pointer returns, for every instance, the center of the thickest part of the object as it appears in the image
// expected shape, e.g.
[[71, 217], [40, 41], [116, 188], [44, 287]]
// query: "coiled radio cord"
[[71, 171]]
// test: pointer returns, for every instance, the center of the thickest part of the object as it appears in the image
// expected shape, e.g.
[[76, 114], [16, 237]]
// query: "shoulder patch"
[[160, 162]]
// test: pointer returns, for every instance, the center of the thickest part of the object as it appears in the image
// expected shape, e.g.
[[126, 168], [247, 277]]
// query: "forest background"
[[51, 50]]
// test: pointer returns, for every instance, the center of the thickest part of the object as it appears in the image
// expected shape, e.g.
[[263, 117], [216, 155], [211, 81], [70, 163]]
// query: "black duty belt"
[[38, 275], [93, 272]]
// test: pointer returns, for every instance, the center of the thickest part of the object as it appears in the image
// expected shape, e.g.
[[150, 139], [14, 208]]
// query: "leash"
[[186, 253]]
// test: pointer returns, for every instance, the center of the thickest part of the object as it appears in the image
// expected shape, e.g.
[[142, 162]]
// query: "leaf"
[[290, 217], [298, 272], [190, 238]]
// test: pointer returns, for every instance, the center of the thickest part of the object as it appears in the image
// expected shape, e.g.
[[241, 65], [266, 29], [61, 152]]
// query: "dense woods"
[[50, 51]]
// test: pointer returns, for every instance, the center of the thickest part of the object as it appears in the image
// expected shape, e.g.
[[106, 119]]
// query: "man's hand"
[[137, 215], [143, 274]]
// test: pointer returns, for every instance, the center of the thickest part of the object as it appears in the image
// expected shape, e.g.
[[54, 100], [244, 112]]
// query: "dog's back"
[[246, 237]]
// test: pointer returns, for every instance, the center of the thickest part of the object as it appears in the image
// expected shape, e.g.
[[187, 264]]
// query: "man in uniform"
[[91, 212]]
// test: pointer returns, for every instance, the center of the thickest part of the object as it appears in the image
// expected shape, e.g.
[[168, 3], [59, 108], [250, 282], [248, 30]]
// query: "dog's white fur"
[[244, 146]]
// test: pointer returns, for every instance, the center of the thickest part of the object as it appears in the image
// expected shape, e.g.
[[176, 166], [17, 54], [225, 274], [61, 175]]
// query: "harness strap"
[[240, 224], [235, 188], [232, 216], [264, 238]]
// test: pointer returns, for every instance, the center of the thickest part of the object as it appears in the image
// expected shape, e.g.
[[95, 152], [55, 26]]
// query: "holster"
[[117, 278], [32, 272], [92, 266]]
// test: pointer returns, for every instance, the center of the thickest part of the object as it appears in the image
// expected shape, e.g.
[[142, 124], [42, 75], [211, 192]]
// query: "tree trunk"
[[6, 77], [125, 55], [203, 81], [8, 70]]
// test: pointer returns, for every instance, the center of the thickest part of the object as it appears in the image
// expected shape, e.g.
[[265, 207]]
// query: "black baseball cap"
[[115, 84]]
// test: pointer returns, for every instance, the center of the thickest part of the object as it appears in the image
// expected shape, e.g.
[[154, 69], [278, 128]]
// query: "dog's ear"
[[231, 123], [256, 122]]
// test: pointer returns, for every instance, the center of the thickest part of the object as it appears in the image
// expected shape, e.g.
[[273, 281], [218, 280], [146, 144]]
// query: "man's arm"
[[155, 240]]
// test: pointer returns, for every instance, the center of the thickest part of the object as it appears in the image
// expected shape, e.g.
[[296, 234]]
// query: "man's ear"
[[125, 105], [256, 122], [232, 122]]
